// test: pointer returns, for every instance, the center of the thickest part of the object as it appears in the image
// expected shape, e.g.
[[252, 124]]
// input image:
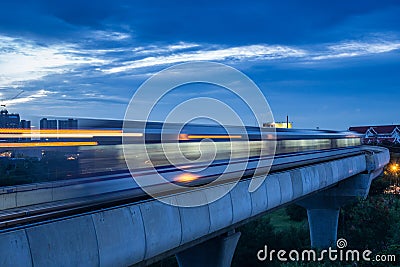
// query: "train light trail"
[[46, 144], [186, 177], [57, 133], [183, 137], [214, 136]]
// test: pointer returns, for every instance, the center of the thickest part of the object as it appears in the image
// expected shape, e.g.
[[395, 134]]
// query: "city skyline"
[[326, 65]]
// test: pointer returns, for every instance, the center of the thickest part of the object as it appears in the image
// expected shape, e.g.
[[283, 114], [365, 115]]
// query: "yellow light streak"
[[186, 177], [214, 136], [24, 135], [183, 137], [52, 131], [132, 134], [46, 144], [55, 133]]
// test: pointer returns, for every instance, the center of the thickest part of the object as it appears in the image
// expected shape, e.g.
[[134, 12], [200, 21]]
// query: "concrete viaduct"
[[147, 231]]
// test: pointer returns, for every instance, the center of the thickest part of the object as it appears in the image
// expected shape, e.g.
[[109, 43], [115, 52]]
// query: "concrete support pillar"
[[323, 225], [216, 252], [323, 216], [323, 208]]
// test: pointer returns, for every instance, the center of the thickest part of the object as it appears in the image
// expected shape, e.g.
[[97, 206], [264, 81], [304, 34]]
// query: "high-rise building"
[[9, 120], [48, 124], [13, 120], [24, 124], [68, 124]]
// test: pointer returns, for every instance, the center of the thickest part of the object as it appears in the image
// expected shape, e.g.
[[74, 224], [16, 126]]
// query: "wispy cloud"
[[33, 96], [156, 49], [154, 56], [108, 35], [23, 60], [354, 49], [261, 52]]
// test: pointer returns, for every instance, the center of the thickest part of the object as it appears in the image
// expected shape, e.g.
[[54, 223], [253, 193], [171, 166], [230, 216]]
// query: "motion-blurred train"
[[105, 147]]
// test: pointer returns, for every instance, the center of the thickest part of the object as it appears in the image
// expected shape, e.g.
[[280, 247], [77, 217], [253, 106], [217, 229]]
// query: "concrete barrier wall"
[[131, 234], [23, 195], [15, 249]]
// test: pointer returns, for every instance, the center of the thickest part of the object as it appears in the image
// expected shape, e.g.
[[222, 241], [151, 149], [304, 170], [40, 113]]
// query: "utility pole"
[[287, 121]]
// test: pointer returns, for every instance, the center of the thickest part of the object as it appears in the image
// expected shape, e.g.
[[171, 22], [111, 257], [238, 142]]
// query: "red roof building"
[[379, 134]]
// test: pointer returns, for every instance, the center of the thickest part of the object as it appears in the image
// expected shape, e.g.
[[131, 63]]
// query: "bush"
[[296, 213]]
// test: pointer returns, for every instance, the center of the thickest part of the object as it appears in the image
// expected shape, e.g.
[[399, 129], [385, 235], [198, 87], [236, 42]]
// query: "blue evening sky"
[[327, 64]]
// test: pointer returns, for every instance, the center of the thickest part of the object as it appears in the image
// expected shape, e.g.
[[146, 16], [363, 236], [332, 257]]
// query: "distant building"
[[379, 134], [60, 124], [24, 124], [9, 120], [68, 124], [278, 125], [13, 120], [48, 124]]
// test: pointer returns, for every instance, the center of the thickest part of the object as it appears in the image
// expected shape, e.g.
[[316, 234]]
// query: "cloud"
[[155, 56], [33, 96], [260, 52], [23, 60], [353, 49], [108, 35], [154, 49]]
